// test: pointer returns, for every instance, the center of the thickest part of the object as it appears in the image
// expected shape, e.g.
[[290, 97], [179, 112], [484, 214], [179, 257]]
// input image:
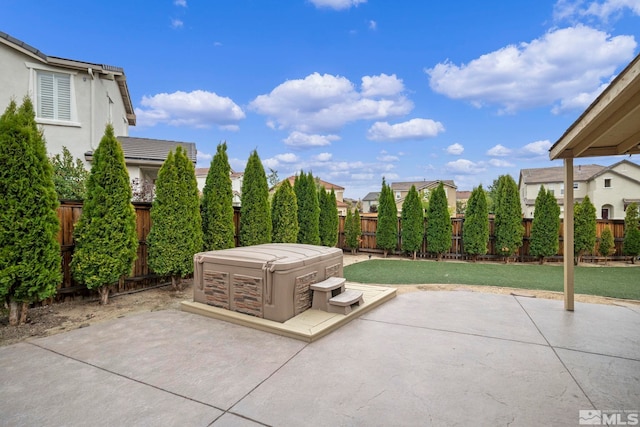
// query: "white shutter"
[[63, 93], [45, 95]]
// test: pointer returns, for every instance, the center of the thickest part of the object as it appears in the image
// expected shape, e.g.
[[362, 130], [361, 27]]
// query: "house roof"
[[326, 185], [610, 125], [372, 196], [205, 172], [555, 174], [420, 185], [463, 195], [152, 151], [109, 71]]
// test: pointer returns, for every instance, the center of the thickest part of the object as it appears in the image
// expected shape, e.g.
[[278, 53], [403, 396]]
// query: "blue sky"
[[352, 90]]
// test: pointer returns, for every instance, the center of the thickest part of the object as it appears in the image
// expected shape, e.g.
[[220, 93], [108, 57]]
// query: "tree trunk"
[[175, 283], [541, 260], [439, 257], [24, 310], [414, 255], [385, 253], [14, 313], [633, 259], [104, 294]]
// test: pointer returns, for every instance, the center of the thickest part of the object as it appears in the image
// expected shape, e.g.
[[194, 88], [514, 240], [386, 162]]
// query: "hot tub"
[[271, 281]]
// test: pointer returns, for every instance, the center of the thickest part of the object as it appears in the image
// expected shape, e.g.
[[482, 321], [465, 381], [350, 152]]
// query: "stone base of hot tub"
[[307, 326]]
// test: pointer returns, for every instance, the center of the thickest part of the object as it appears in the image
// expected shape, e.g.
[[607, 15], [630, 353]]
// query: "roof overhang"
[[611, 124]]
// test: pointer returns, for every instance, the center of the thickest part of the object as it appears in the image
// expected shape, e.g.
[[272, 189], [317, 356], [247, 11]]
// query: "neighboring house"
[[236, 183], [338, 190], [462, 198], [610, 189], [370, 202], [401, 189], [74, 101]]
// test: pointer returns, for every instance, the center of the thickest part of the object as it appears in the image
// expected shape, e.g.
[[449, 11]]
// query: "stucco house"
[[610, 188], [236, 183], [370, 202], [401, 189], [74, 100]]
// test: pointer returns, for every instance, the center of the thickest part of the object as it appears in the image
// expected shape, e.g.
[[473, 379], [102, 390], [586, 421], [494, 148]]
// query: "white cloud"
[[498, 151], [385, 157], [176, 23], [572, 9], [280, 160], [465, 167], [198, 109], [203, 157], [552, 69], [182, 3], [537, 148], [323, 157], [382, 85], [302, 140], [373, 25], [455, 149], [325, 103], [363, 176], [499, 163], [336, 4], [412, 129]]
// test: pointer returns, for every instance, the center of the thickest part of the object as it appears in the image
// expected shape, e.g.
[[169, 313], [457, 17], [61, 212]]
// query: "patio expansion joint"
[[123, 376], [566, 368]]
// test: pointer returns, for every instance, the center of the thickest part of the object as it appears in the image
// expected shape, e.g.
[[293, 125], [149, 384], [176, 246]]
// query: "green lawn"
[[617, 282]]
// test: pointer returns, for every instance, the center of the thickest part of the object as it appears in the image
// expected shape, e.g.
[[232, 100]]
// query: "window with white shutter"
[[54, 96]]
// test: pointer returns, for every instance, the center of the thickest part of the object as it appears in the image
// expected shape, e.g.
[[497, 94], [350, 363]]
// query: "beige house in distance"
[[236, 183], [338, 190], [610, 189], [401, 189]]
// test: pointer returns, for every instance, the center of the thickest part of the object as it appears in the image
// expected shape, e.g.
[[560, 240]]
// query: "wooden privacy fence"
[[141, 275], [456, 251]]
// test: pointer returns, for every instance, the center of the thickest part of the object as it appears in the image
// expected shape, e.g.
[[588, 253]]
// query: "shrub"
[[508, 218], [218, 228], [308, 209], [438, 223], [29, 251], [546, 225], [255, 212], [584, 229], [632, 232], [176, 228], [328, 223], [387, 227], [284, 214], [475, 232], [106, 238], [412, 222], [69, 176], [607, 244]]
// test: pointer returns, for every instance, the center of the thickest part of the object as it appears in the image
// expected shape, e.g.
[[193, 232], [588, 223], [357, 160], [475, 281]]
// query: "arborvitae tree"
[[308, 209], [438, 223], [607, 244], [387, 227], [69, 176], [584, 229], [352, 230], [328, 217], [176, 229], [632, 232], [508, 220], [29, 250], [105, 236], [546, 225], [218, 228], [284, 214], [412, 222], [255, 213], [475, 232]]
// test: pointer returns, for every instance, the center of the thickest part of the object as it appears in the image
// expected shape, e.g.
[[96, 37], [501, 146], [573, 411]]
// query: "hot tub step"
[[345, 302]]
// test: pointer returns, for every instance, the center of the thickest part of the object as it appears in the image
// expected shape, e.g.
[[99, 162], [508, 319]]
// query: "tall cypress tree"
[[412, 222], [328, 223], [631, 245], [308, 209], [546, 225], [584, 229], [106, 237], [475, 232], [218, 228], [284, 214], [607, 245], [438, 223], [176, 229], [387, 227], [255, 213], [508, 219], [29, 250]]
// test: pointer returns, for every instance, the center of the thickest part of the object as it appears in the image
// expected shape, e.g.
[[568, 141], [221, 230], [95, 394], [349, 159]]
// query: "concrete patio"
[[423, 358]]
